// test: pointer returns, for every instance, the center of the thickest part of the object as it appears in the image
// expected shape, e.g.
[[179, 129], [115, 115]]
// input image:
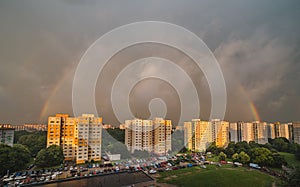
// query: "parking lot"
[[149, 166]]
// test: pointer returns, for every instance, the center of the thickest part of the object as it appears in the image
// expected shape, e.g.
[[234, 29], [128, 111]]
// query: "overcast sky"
[[256, 43]]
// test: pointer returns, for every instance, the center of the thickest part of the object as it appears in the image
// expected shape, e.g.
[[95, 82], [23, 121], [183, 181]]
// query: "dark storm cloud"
[[256, 43]]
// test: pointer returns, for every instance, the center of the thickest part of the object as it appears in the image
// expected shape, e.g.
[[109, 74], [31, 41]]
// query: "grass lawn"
[[215, 176], [291, 159]]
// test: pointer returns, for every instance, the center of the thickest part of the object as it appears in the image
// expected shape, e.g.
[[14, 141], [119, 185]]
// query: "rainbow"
[[252, 106], [52, 93]]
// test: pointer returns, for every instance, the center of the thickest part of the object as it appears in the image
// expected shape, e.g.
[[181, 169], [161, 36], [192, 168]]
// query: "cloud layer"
[[256, 44]]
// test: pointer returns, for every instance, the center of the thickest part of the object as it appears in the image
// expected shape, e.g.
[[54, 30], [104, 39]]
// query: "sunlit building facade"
[[79, 137], [271, 130], [220, 132], [260, 133], [284, 131], [197, 135]]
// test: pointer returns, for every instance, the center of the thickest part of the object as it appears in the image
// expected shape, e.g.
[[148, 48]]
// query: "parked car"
[[152, 171], [256, 166], [30, 167]]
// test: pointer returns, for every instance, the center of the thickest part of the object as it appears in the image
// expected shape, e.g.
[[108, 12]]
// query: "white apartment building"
[[149, 135]]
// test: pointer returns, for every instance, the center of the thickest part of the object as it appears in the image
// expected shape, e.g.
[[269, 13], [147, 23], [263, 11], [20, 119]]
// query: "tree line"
[[264, 155], [29, 148]]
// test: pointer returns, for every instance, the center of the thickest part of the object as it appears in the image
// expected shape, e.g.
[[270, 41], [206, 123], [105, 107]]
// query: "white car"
[[152, 171], [53, 177], [8, 179]]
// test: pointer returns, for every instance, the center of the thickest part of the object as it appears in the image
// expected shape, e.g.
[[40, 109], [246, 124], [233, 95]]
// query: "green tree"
[[13, 158], [34, 141], [294, 177], [51, 156], [242, 146], [297, 153], [243, 157], [278, 160], [235, 157], [117, 134], [213, 148], [183, 150], [19, 134], [41, 158], [222, 156], [252, 144], [261, 156], [294, 148], [281, 144]]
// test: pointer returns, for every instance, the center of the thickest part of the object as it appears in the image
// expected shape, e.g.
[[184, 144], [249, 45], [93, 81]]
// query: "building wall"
[[233, 129], [162, 136], [203, 133], [271, 130], [198, 135], [220, 132], [89, 138], [128, 135], [7, 134], [247, 132], [284, 131], [296, 132], [137, 134], [260, 132], [276, 129], [188, 135], [67, 138], [148, 135], [80, 138], [55, 123]]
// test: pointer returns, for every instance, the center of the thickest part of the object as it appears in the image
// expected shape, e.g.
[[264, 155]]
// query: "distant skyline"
[[255, 42]]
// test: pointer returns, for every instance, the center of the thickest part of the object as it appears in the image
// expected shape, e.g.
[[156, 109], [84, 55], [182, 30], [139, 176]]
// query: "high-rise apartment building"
[[149, 135], [139, 135], [197, 135], [271, 130], [247, 132], [260, 132], [284, 131], [233, 132], [162, 136], [296, 132], [291, 132], [55, 125], [89, 136], [220, 132], [79, 137], [7, 134], [276, 129]]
